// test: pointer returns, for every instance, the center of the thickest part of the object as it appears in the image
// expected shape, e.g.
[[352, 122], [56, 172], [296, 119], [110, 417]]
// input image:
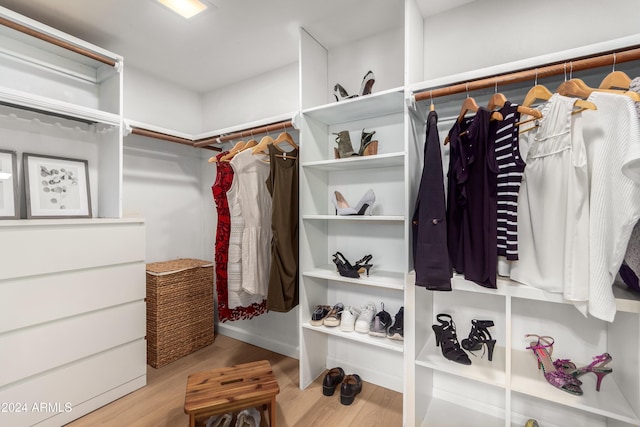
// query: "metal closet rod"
[[555, 69], [271, 127], [56, 41], [165, 137]]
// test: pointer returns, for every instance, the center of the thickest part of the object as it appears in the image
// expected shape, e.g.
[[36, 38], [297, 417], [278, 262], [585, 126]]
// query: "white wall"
[[150, 100], [162, 183], [491, 32], [266, 95]]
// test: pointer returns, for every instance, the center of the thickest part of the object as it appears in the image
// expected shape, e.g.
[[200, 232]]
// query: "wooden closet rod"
[[53, 40], [555, 69], [272, 127], [165, 137]]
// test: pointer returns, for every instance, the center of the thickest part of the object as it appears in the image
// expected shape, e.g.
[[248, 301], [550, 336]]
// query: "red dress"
[[224, 178]]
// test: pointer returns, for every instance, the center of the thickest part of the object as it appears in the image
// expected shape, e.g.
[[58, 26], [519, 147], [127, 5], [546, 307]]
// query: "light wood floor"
[[161, 402]]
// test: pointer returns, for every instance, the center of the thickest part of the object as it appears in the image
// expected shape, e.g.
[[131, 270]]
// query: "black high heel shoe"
[[367, 83], [340, 93], [365, 140], [479, 336], [447, 340], [345, 268], [363, 264]]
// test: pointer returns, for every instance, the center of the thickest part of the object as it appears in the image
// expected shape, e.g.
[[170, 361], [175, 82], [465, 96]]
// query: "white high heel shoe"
[[364, 206]]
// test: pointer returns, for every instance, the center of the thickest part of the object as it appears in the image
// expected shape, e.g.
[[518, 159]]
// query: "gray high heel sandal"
[[345, 149]]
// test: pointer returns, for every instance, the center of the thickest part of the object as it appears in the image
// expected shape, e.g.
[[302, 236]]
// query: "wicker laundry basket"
[[179, 309]]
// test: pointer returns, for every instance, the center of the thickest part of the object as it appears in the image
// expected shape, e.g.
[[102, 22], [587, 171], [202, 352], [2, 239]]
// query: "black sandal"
[[480, 336], [447, 339]]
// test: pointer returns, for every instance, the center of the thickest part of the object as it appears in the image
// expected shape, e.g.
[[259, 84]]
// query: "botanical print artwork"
[[58, 188]]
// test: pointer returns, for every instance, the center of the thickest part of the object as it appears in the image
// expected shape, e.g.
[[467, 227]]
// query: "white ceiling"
[[231, 41]]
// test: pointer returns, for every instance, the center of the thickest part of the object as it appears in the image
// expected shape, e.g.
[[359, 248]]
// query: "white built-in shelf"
[[378, 342], [358, 162], [55, 107], [480, 369], [375, 105], [444, 413], [67, 222], [381, 218], [381, 279], [608, 402], [626, 301]]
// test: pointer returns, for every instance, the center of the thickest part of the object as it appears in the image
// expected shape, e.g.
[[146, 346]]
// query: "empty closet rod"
[[531, 73], [165, 137], [53, 40], [272, 127]]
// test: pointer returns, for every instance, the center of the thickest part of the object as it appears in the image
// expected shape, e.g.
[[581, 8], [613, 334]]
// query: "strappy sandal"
[[447, 340]]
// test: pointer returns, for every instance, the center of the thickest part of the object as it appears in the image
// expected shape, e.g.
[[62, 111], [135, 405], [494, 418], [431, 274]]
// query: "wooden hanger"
[[235, 150], [538, 92], [286, 137], [616, 80], [470, 104], [577, 88], [498, 100], [262, 145]]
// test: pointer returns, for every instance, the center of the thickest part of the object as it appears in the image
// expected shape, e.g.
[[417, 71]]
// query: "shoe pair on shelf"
[[563, 373], [249, 417], [368, 147], [350, 385], [380, 324], [365, 88], [324, 315], [447, 339], [346, 269]]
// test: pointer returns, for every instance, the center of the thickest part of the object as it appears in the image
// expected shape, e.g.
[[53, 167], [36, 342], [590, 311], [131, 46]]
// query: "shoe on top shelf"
[[381, 323], [396, 332], [318, 315], [363, 323], [348, 320]]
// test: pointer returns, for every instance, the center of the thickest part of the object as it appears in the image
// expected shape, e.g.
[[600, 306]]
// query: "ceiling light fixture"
[[185, 8]]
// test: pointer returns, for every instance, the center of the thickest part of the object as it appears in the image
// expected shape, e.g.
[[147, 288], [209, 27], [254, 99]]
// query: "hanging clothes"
[[613, 150], [283, 187], [222, 184], [430, 255], [511, 167], [255, 203], [472, 202], [553, 212]]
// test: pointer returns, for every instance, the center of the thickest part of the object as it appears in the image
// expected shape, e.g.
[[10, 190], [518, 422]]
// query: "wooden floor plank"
[[161, 402]]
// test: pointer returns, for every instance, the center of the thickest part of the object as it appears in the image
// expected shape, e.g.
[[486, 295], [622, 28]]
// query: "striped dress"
[[511, 167]]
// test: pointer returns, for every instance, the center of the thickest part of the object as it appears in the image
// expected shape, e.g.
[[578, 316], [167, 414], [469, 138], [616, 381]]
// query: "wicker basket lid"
[[176, 265]]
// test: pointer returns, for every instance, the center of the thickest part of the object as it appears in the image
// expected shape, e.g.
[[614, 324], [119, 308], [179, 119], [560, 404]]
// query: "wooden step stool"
[[231, 389]]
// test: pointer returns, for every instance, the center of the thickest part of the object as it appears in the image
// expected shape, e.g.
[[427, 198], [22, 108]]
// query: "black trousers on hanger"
[[429, 224]]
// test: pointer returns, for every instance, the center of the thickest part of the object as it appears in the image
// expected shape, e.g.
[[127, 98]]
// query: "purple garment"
[[429, 226], [472, 203]]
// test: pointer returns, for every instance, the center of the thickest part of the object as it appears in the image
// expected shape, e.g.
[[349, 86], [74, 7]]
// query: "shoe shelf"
[[383, 218], [381, 279], [608, 402], [374, 105], [441, 412], [481, 369], [379, 342], [359, 162]]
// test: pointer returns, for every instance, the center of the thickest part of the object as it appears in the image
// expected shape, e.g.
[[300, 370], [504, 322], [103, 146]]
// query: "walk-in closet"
[[279, 147]]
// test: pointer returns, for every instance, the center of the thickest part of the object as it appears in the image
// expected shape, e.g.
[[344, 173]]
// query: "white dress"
[[553, 211], [612, 134], [255, 202], [237, 297]]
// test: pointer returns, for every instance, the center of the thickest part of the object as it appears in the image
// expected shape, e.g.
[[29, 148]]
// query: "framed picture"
[[9, 208], [56, 187]]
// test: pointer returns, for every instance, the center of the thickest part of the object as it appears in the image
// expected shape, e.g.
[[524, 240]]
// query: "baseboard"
[[375, 376], [266, 343]]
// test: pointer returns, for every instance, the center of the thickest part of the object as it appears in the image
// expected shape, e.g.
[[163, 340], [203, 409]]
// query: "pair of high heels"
[[346, 269], [364, 206], [562, 373], [365, 88], [447, 339], [345, 149]]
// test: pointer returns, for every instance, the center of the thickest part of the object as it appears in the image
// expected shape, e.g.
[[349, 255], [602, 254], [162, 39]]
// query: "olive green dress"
[[283, 186]]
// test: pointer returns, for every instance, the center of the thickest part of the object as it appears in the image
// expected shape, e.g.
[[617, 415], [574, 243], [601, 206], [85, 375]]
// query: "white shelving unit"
[[323, 233]]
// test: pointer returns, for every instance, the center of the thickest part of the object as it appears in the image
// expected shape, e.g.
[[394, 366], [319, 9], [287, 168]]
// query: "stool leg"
[[272, 412], [192, 420]]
